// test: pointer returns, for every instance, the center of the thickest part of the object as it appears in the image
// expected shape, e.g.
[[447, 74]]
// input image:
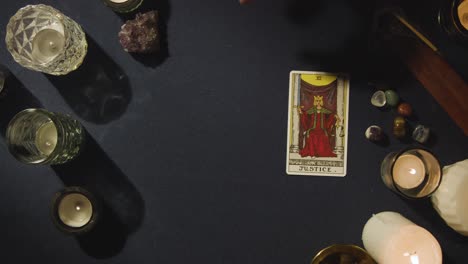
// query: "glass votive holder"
[[342, 254], [453, 19], [37, 136], [123, 6], [412, 173], [75, 210], [41, 38]]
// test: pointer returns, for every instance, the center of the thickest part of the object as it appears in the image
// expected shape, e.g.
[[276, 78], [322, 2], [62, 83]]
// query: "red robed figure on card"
[[317, 122]]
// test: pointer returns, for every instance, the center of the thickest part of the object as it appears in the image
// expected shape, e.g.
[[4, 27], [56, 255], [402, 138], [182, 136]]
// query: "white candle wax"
[[408, 171], [47, 44], [451, 198], [119, 1], [75, 210], [46, 138], [392, 239]]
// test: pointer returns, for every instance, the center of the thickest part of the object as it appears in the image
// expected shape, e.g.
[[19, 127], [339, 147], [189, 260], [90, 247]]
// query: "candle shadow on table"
[[122, 205], [13, 99], [164, 10], [98, 91], [301, 12], [426, 210]]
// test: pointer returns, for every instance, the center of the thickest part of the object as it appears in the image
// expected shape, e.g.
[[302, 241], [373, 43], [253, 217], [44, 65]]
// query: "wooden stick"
[[433, 72]]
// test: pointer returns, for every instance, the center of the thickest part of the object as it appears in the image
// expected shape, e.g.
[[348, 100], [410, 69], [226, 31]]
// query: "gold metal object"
[[343, 254]]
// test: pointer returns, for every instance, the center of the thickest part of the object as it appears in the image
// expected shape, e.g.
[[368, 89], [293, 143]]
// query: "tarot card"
[[317, 124]]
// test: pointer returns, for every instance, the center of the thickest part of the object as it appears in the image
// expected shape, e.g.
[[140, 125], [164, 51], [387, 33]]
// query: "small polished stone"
[[392, 98], [405, 109], [374, 133], [378, 99], [399, 127], [421, 134]]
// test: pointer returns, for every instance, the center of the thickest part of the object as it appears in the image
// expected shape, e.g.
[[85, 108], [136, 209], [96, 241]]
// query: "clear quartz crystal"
[[379, 99], [41, 38]]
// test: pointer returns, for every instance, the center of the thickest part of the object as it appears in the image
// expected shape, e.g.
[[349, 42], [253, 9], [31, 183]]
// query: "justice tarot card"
[[317, 124]]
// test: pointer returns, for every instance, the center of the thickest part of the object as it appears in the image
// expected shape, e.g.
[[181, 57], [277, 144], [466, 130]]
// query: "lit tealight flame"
[[412, 171]]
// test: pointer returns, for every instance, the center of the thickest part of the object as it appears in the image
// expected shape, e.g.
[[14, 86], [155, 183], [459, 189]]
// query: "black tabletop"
[[189, 156]]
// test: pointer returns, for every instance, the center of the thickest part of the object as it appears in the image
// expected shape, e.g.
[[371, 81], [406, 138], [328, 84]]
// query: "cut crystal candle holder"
[[41, 38], [37, 136]]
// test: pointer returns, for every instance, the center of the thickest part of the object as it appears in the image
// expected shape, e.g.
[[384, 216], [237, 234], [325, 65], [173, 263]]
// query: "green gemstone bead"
[[392, 97]]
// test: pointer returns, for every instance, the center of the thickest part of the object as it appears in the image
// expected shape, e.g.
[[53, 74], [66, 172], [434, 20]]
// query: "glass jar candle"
[[41, 38], [37, 136], [412, 173]]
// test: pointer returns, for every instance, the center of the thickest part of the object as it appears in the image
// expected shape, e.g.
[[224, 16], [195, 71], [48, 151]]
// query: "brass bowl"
[[343, 254]]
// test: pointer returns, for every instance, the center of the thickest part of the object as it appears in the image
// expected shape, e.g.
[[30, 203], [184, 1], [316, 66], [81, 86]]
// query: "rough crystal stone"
[[378, 99], [392, 97], [405, 109], [141, 34], [421, 134], [399, 127], [374, 133]]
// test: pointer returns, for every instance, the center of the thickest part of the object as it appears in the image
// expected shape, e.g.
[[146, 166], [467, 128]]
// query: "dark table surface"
[[190, 153]]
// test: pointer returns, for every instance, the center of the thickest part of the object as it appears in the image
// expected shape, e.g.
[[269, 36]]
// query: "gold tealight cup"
[[343, 254]]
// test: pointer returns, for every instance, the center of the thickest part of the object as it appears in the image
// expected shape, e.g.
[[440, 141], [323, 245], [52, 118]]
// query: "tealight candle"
[[74, 210], [46, 138], [123, 6], [413, 173], [47, 44], [462, 12], [391, 238], [408, 171]]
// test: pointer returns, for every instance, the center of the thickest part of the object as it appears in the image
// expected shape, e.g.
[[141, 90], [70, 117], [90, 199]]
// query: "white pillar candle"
[[47, 44], [451, 199], [75, 210], [392, 239], [46, 138], [408, 171]]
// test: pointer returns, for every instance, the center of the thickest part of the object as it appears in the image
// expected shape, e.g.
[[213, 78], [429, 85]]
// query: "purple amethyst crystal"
[[141, 34]]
